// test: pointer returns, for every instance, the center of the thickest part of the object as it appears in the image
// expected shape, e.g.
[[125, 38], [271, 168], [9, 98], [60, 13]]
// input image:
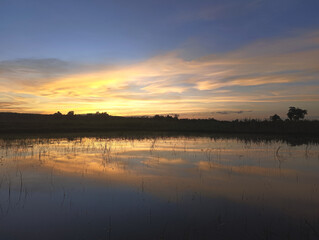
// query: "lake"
[[158, 188]]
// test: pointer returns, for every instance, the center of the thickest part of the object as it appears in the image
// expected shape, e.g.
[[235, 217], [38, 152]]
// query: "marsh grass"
[[37, 123], [192, 190]]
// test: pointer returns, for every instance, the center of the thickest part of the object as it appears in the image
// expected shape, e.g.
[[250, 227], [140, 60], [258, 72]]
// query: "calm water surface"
[[158, 188]]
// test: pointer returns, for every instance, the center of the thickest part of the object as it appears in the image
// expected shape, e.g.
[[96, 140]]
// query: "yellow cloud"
[[169, 83]]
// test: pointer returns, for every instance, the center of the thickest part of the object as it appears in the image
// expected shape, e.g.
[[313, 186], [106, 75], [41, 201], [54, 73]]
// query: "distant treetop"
[[275, 118], [57, 114], [70, 113], [296, 113]]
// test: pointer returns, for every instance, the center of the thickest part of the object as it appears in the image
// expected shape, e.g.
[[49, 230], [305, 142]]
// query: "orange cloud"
[[168, 83]]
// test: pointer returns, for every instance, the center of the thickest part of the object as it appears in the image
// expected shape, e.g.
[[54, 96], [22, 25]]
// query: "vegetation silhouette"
[[103, 122], [70, 113], [275, 118], [292, 140], [57, 114], [296, 113]]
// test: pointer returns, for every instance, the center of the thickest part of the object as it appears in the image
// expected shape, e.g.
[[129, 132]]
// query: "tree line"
[[294, 114]]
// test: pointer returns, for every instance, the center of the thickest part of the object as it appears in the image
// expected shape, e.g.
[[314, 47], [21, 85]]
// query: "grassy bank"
[[39, 123]]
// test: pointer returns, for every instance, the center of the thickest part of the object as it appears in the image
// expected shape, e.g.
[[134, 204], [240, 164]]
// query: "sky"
[[223, 59]]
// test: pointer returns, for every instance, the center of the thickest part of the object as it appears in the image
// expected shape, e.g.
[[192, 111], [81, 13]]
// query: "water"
[[158, 188]]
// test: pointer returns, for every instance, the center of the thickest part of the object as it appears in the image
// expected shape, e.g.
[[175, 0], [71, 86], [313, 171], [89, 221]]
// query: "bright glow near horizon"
[[227, 77]]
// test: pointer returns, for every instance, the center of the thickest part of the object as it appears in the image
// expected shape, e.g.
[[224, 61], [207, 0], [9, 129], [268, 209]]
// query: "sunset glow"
[[225, 79]]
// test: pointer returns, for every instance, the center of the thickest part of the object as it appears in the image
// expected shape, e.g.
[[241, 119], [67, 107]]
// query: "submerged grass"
[[205, 222]]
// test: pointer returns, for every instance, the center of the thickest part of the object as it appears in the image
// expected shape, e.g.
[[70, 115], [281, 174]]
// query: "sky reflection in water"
[[163, 188]]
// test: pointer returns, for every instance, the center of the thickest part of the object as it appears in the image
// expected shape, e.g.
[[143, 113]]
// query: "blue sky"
[[197, 58]]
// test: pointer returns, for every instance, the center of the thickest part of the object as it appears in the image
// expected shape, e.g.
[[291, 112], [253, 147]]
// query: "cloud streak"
[[231, 112], [269, 71]]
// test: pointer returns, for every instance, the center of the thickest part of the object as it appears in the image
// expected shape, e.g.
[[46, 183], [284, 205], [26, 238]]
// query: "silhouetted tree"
[[70, 113], [57, 114], [101, 115], [296, 113], [104, 114], [275, 118]]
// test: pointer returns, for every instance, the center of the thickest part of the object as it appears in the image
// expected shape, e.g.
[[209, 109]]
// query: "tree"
[[57, 114], [71, 113], [104, 114], [296, 113], [275, 118]]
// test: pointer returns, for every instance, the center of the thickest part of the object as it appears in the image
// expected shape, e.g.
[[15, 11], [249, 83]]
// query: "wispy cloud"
[[231, 112], [32, 71], [214, 11], [268, 71]]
